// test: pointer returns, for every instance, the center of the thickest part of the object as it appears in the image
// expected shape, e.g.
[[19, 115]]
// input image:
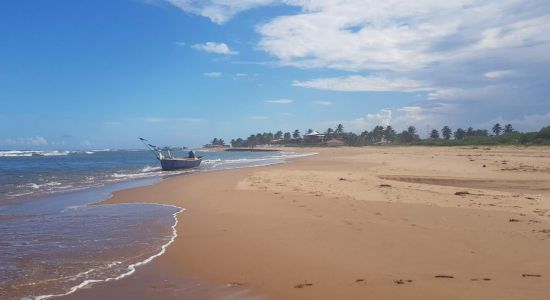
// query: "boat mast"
[[151, 148]]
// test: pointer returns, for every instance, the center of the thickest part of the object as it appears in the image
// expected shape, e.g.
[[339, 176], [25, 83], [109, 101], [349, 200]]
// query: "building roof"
[[314, 133]]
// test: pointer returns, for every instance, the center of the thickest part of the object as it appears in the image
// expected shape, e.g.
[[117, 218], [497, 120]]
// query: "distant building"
[[314, 138]]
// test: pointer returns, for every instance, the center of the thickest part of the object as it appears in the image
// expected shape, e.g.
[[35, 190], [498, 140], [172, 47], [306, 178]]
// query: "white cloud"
[[280, 101], [166, 120], [191, 120], [218, 11], [424, 118], [29, 141], [213, 74], [444, 94], [322, 102], [382, 117], [259, 118], [437, 48], [401, 36], [213, 47], [358, 83], [154, 120], [499, 74]]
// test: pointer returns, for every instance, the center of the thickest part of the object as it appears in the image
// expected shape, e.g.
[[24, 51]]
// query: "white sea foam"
[[130, 269], [150, 169], [28, 153]]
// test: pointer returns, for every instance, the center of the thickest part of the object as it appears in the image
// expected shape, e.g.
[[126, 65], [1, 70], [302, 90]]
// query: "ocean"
[[53, 241]]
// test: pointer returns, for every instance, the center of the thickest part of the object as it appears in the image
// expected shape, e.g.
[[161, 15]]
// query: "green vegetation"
[[381, 135]]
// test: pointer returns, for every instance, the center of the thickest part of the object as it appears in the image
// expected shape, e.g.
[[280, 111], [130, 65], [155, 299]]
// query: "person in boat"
[[191, 154]]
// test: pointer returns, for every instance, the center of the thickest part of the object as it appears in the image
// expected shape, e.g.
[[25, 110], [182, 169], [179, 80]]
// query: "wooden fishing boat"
[[178, 163], [170, 163]]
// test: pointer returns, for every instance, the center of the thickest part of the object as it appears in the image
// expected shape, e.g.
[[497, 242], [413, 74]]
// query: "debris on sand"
[[462, 193], [531, 275], [401, 281], [384, 185], [302, 285], [444, 276], [514, 220]]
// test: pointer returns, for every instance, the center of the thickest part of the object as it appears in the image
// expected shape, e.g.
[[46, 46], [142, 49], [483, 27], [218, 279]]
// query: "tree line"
[[381, 135]]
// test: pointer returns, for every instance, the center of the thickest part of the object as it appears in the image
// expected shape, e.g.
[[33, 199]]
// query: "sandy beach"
[[355, 223]]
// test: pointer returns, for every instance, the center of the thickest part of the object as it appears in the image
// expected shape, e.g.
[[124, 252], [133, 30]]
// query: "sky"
[[98, 74]]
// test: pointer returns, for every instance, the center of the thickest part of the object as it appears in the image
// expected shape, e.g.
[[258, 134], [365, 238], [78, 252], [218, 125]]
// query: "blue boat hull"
[[178, 164]]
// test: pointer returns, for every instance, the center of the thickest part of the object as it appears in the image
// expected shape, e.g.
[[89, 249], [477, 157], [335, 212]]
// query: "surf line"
[[131, 268]]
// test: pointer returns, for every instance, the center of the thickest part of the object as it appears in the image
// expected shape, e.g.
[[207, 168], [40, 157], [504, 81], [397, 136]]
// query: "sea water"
[[53, 241]]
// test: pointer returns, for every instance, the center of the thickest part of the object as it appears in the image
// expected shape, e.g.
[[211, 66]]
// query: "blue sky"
[[97, 74]]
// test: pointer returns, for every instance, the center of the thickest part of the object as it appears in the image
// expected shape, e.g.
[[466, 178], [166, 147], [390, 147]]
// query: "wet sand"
[[355, 223]]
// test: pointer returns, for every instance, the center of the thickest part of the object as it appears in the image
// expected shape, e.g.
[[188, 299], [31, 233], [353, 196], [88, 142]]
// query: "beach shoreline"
[[354, 223]]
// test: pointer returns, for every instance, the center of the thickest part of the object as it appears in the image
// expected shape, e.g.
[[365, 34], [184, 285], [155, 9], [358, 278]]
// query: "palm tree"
[[389, 134], [296, 134], [446, 132], [286, 136], [434, 134], [497, 129], [470, 132], [259, 139], [377, 133], [251, 141], [309, 131], [221, 142], [214, 141], [278, 135], [411, 130], [339, 129], [460, 134], [508, 128], [330, 132]]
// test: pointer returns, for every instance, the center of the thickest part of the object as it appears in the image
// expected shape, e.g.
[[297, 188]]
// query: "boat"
[[170, 163]]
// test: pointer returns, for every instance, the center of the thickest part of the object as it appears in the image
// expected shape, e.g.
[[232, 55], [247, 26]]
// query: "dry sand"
[[355, 223]]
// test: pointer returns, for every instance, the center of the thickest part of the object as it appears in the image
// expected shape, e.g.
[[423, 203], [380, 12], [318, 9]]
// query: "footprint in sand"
[[303, 285], [401, 281], [477, 279], [235, 284]]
